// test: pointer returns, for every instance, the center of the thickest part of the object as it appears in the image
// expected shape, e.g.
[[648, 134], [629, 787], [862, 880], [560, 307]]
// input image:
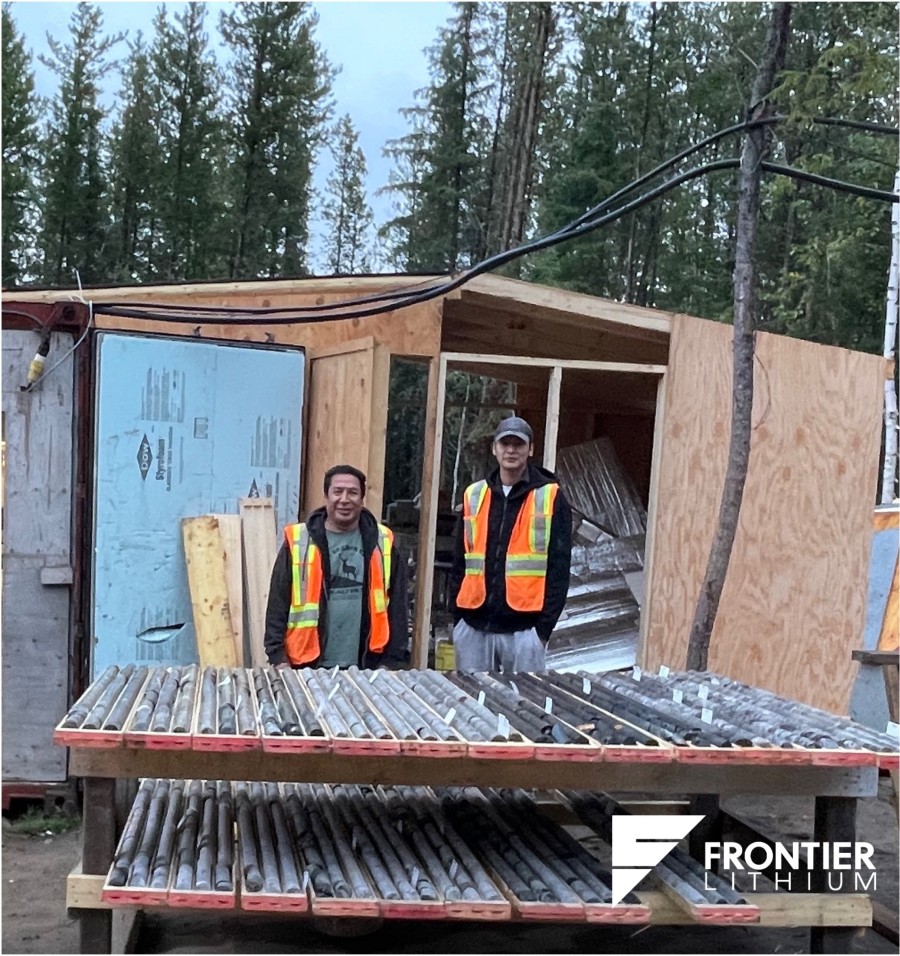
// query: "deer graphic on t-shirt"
[[347, 568]]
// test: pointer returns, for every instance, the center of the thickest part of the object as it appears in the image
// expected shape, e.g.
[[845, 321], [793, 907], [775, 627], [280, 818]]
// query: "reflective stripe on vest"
[[301, 639], [526, 557]]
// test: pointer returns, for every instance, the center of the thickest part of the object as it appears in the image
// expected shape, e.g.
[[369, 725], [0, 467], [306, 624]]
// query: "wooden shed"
[[659, 386]]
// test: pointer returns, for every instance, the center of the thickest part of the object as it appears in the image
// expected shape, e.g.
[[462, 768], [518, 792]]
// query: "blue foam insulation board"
[[183, 428]]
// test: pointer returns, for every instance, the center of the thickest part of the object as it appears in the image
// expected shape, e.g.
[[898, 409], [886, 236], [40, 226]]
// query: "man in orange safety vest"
[[338, 591], [510, 571]]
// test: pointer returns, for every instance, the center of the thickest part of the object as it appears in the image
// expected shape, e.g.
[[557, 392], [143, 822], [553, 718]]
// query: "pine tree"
[[823, 255], [75, 194], [20, 154], [347, 215], [438, 224], [279, 83], [190, 188], [136, 173], [526, 72]]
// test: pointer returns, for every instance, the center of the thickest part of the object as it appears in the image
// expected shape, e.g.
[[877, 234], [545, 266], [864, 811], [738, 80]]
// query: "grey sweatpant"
[[488, 651]]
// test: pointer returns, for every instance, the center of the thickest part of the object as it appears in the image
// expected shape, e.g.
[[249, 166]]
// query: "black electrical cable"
[[507, 256], [708, 141], [405, 292], [389, 295]]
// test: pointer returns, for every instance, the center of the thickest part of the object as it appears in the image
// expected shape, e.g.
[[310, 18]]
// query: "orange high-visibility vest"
[[301, 639], [526, 556]]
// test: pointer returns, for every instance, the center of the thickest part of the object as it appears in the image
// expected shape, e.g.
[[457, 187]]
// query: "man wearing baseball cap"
[[510, 571]]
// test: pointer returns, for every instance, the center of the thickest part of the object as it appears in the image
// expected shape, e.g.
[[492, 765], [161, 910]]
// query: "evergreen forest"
[[204, 168]]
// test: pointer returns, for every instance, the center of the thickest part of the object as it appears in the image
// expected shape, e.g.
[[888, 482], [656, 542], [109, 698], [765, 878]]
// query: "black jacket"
[[280, 597], [495, 614]]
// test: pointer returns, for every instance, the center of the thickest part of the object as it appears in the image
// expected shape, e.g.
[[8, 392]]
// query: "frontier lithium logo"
[[640, 842]]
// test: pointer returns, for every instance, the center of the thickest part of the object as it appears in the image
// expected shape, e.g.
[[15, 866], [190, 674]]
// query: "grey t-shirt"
[[345, 597]]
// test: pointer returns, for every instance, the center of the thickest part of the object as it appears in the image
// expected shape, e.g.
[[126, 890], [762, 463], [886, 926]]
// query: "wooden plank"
[[887, 518], [378, 398], [503, 361], [204, 552], [83, 890], [652, 506], [551, 426], [271, 289], [834, 820], [230, 532], [412, 330], [885, 923], [794, 601], [125, 927], [431, 480], [776, 909], [98, 844], [261, 543], [465, 770], [530, 298], [877, 658]]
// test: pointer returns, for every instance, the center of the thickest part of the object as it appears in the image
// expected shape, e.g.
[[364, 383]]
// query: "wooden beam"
[[652, 517], [230, 532], [98, 845], [551, 427], [775, 909], [314, 288], [431, 481], [528, 297], [502, 361], [378, 396], [492, 330], [464, 770], [261, 543], [204, 552], [877, 658]]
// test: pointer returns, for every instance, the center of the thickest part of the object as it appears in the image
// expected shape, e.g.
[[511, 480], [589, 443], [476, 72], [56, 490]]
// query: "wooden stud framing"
[[466, 358], [431, 482], [551, 427], [652, 505]]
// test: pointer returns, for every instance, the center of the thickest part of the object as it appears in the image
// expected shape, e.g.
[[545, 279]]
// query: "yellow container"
[[444, 656]]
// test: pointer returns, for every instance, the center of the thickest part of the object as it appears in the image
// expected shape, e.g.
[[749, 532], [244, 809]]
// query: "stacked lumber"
[[229, 561]]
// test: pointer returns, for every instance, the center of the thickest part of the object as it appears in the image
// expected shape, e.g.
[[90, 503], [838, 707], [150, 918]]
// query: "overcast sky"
[[378, 46]]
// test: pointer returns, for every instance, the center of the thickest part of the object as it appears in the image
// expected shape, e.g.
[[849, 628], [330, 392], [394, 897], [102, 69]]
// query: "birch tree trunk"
[[889, 472], [755, 148]]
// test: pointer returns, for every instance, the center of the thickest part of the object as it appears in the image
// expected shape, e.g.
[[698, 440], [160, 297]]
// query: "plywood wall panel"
[[793, 607], [415, 330], [347, 418]]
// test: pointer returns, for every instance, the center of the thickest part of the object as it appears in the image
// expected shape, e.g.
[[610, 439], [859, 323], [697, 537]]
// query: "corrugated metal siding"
[[183, 428], [36, 539]]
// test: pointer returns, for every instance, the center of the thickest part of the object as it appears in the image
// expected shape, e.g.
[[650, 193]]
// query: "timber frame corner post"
[[437, 394]]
